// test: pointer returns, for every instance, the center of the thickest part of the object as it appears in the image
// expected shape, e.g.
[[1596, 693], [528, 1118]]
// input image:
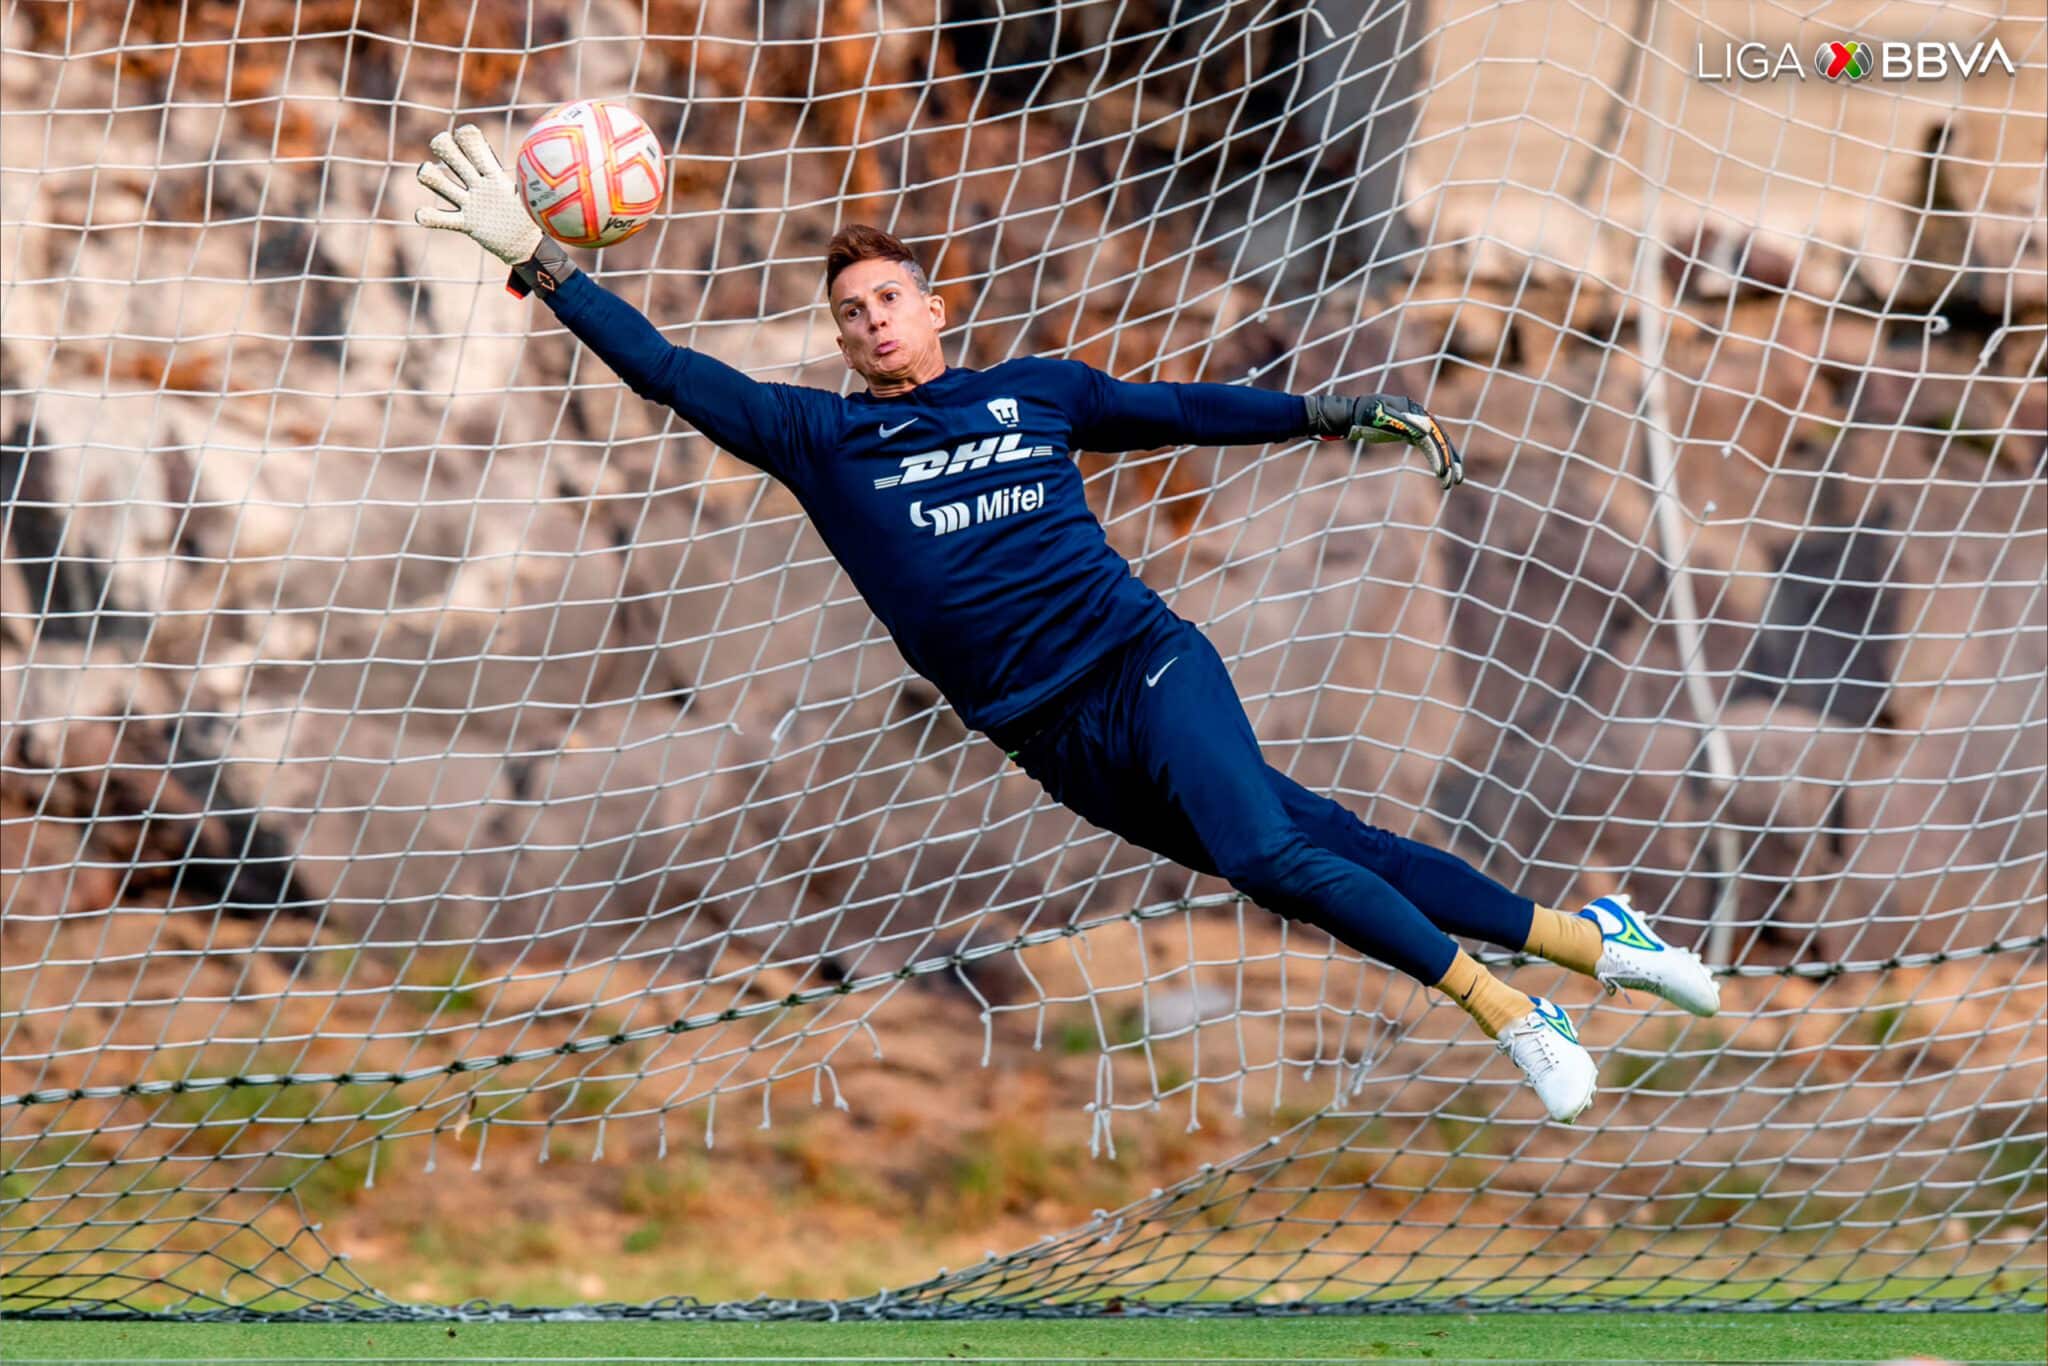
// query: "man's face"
[[888, 331]]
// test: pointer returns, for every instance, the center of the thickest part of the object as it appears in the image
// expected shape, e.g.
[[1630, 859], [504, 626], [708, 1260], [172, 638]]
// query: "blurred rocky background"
[[365, 642]]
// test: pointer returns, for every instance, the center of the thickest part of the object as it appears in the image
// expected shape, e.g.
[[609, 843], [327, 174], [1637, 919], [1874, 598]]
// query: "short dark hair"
[[859, 242]]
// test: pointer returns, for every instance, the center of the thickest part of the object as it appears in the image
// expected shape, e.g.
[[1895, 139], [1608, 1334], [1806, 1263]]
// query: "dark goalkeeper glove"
[[1387, 417]]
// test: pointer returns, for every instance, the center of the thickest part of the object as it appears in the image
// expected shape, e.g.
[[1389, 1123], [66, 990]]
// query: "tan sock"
[[1483, 996], [1570, 941]]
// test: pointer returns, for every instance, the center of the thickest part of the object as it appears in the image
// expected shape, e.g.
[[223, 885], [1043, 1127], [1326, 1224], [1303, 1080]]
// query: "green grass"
[[1435, 1338]]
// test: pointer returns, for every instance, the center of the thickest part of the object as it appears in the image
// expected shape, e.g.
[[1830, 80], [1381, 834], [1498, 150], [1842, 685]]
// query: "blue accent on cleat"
[[1633, 956], [1629, 930], [1555, 1017]]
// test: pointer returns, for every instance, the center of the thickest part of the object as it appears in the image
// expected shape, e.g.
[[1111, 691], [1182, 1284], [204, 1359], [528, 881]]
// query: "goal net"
[[428, 768]]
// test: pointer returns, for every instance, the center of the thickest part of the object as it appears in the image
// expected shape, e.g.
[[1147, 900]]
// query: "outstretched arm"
[[1116, 415], [767, 425]]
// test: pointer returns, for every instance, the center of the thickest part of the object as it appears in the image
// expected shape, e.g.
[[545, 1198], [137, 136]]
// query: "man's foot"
[[1633, 956], [1547, 1049]]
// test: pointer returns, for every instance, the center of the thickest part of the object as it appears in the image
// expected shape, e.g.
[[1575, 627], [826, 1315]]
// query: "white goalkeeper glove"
[[1387, 417], [484, 204]]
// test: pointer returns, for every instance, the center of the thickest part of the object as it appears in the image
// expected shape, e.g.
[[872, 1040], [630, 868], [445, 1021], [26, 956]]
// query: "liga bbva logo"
[[1837, 60], [1853, 59]]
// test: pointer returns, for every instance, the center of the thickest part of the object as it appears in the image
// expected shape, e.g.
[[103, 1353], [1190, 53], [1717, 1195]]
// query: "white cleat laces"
[[1547, 1049]]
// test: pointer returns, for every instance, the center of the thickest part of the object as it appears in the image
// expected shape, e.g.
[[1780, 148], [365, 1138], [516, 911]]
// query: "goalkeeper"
[[948, 495]]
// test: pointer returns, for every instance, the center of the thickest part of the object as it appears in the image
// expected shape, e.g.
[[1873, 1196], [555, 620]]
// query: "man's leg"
[[1162, 753], [1188, 739], [1447, 889], [1607, 940], [1451, 892]]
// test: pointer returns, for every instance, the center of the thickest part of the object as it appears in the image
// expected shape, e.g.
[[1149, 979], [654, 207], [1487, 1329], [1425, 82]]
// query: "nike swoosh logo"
[[1150, 679], [888, 432]]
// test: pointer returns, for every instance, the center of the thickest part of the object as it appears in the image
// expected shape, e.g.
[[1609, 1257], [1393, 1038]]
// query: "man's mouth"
[[886, 347]]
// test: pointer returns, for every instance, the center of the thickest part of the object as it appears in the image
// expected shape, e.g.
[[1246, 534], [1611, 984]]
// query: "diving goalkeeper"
[[949, 496]]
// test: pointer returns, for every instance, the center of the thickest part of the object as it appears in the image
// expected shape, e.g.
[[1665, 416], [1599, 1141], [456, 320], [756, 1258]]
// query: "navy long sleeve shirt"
[[955, 508]]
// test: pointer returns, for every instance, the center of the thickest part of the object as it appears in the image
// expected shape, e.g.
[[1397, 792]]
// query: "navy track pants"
[[1154, 745]]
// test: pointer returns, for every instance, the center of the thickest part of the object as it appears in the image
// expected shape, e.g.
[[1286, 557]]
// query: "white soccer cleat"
[[1547, 1049], [1632, 956]]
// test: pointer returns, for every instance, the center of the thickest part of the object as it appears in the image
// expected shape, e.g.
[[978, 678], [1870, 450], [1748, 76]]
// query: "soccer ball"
[[591, 173]]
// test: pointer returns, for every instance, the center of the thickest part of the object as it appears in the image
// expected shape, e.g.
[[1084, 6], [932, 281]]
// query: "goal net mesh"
[[422, 757]]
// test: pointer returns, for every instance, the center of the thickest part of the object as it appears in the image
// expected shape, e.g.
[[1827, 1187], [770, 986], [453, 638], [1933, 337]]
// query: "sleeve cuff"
[[544, 272]]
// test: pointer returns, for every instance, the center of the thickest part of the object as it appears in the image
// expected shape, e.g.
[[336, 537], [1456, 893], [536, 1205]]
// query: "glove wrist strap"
[[1330, 415], [547, 270]]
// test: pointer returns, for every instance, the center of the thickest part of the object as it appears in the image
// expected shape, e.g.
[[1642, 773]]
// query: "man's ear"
[[937, 303]]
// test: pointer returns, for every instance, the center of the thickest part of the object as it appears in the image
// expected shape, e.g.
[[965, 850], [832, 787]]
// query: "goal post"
[[425, 765]]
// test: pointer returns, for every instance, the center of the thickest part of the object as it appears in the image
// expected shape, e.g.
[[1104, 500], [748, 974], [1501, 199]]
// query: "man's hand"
[[484, 204], [1387, 417]]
